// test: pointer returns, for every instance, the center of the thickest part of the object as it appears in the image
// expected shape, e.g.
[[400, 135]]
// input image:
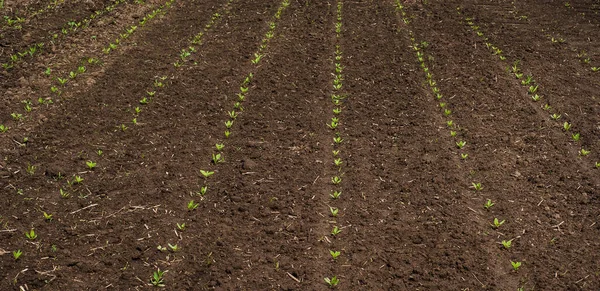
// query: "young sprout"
[[497, 223], [206, 174], [16, 116], [536, 98], [338, 162], [144, 101], [72, 75], [17, 254], [595, 69], [555, 116], [461, 144], [335, 152], [3, 128], [157, 278], [232, 114], [335, 231], [257, 58], [244, 89], [227, 133], [31, 235], [337, 110], [202, 191], [507, 244], [229, 124], [547, 107], [576, 136], [335, 194], [477, 186], [332, 281], [91, 165], [332, 124], [527, 80], [241, 97], [192, 205], [334, 211], [449, 123], [584, 152], [334, 254], [447, 112], [173, 248], [64, 194], [99, 152], [336, 180], [31, 169], [337, 139], [533, 89], [217, 158], [219, 146], [515, 265], [47, 217], [181, 226], [566, 126], [518, 75], [488, 204]]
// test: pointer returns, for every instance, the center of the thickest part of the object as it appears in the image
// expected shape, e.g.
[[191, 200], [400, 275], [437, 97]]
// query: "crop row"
[[56, 89], [54, 37], [218, 157], [534, 90], [16, 21], [455, 131]]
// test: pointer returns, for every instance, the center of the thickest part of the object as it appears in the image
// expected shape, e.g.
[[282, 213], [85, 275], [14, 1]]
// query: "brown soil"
[[409, 216]]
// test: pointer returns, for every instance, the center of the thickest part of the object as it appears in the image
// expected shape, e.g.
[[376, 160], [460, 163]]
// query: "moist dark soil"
[[149, 116]]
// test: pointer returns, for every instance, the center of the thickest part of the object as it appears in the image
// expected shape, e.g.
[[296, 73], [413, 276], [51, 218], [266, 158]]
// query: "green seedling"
[[77, 180], [335, 231], [595, 69], [477, 186], [334, 254], [91, 165], [335, 152], [243, 89], [192, 205], [203, 190], [257, 58], [72, 75], [181, 227], [238, 106], [506, 243], [334, 211], [337, 110], [566, 126], [227, 133], [173, 248], [3, 128], [449, 123], [31, 235], [232, 114], [497, 223], [461, 144], [452, 133], [555, 116], [31, 169], [597, 165], [157, 278], [337, 140], [584, 152], [334, 281], [547, 107], [241, 97], [99, 152], [518, 75], [536, 98], [217, 158], [447, 112], [17, 254], [134, 121], [533, 89], [47, 217], [219, 146], [64, 194], [488, 204], [336, 180], [515, 265], [338, 162], [442, 104], [576, 136], [332, 124], [206, 174], [229, 124], [144, 101], [55, 90], [527, 80], [62, 81], [16, 116], [502, 58], [335, 194]]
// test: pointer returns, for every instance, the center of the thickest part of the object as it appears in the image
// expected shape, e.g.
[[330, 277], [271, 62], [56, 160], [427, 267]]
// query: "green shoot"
[[477, 186], [337, 140], [31, 169], [181, 227], [576, 136], [336, 180], [3, 128], [515, 265], [227, 133], [449, 123], [461, 144], [206, 174], [203, 190], [536, 98], [334, 254], [173, 248], [464, 156], [31, 235], [584, 152], [335, 231], [488, 204], [507, 244], [192, 205], [64, 194], [217, 158], [232, 114], [17, 254], [157, 278], [555, 116], [335, 194], [338, 162], [332, 281], [566, 126], [497, 223], [334, 211], [47, 217], [77, 180], [91, 165], [219, 146]]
